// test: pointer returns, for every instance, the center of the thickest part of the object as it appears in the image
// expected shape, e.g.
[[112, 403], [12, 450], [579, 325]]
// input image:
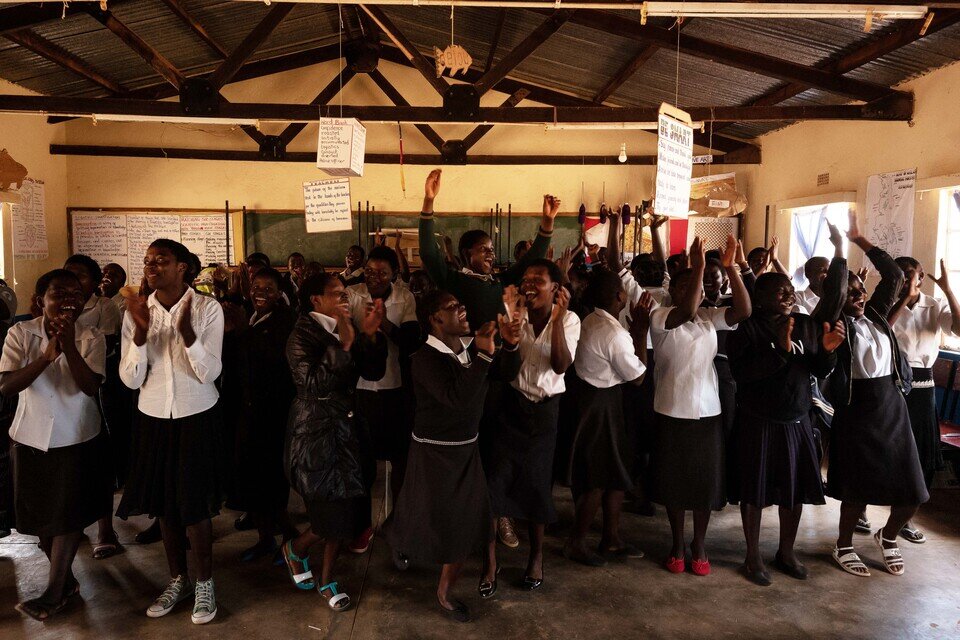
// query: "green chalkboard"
[[280, 234]]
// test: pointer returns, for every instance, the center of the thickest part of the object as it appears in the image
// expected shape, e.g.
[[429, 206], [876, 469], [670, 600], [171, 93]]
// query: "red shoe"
[[676, 565], [701, 567], [362, 542]]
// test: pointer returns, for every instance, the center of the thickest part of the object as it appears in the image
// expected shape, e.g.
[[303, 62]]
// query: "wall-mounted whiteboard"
[[122, 236]]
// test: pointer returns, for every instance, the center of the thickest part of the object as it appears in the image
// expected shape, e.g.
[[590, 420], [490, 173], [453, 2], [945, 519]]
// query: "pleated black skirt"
[[386, 413], [177, 468], [600, 454], [778, 462], [873, 455], [339, 519], [688, 464], [62, 490], [922, 407], [521, 477], [443, 512]]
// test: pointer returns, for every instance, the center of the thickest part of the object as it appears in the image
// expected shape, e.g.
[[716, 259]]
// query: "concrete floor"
[[633, 599]]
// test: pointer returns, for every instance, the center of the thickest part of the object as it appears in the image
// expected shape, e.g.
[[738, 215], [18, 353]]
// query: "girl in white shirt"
[[688, 455], [171, 346], [919, 321], [56, 366]]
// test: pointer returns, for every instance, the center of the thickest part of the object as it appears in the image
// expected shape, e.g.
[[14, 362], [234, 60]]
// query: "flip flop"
[[106, 550], [298, 568], [914, 535], [39, 612], [337, 601]]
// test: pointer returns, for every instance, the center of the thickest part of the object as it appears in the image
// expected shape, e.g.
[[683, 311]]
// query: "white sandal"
[[892, 557], [338, 601], [850, 562]]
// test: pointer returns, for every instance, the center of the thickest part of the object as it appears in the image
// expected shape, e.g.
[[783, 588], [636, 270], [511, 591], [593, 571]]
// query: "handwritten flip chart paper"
[[341, 146], [326, 204], [674, 167], [30, 223], [141, 231], [206, 236], [102, 237], [890, 200]]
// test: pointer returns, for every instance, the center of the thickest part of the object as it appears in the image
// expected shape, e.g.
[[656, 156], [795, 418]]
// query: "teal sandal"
[[298, 568], [337, 601]]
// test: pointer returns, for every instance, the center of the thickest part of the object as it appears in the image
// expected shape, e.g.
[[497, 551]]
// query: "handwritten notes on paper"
[[205, 236], [674, 167], [890, 200], [341, 146], [103, 237], [29, 222], [141, 231], [326, 204]]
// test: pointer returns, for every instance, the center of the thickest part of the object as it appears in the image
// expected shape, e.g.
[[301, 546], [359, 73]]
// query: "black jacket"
[[325, 455]]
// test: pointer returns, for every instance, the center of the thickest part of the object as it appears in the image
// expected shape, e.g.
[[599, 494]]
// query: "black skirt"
[[521, 478], [443, 512], [259, 482], [342, 519], [62, 490], [873, 456], [688, 464], [922, 407], [600, 454], [778, 462], [386, 414], [176, 469]]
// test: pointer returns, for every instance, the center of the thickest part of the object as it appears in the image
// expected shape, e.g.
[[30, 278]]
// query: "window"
[[948, 248], [810, 235]]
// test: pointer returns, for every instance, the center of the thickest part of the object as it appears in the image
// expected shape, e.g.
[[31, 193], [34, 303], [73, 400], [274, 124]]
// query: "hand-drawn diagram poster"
[[890, 198]]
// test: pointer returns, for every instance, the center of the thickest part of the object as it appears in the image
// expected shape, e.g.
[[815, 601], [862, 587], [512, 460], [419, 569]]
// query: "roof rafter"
[[474, 136], [391, 92], [248, 46], [185, 16], [523, 50], [406, 47], [152, 57], [328, 93], [58, 55]]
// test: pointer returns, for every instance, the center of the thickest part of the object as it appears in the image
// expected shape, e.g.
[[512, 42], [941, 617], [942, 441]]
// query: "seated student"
[[101, 313], [873, 453], [520, 250], [259, 382], [326, 455], [815, 271], [521, 480], [171, 346], [294, 277], [114, 278], [919, 321], [688, 455], [443, 512], [384, 403], [353, 272], [772, 356], [312, 269], [420, 284], [601, 460], [61, 466]]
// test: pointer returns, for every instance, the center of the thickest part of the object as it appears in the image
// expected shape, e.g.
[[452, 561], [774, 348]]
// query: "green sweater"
[[482, 296]]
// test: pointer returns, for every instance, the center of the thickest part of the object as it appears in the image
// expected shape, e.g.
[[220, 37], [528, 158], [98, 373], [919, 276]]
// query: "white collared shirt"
[[352, 274], [175, 381], [399, 307], [53, 411], [537, 380], [807, 301], [121, 303], [327, 322], [872, 356], [101, 313], [256, 318], [463, 357], [606, 356], [918, 330], [685, 378]]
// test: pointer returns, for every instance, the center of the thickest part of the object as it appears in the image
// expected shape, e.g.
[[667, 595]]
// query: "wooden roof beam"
[[391, 92], [152, 57], [31, 14], [495, 41], [474, 136], [225, 72], [407, 48], [328, 93], [60, 56], [181, 12]]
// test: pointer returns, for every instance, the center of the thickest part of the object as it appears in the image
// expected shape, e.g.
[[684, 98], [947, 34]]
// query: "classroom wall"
[[27, 138], [851, 151]]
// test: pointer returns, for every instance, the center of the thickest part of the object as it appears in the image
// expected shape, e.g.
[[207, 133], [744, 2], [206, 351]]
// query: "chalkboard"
[[278, 234]]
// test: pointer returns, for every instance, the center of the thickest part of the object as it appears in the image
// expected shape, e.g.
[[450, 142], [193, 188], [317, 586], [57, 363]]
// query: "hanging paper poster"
[[341, 146], [30, 223], [674, 167], [889, 216], [326, 204]]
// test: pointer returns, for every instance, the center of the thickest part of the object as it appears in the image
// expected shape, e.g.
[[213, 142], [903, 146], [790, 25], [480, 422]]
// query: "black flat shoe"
[[400, 561], [531, 584], [759, 578], [799, 571], [487, 589], [460, 611], [149, 535]]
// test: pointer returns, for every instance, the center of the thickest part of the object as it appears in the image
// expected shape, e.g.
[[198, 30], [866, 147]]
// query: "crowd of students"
[[692, 382]]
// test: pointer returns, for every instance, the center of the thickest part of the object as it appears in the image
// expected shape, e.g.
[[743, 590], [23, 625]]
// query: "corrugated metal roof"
[[575, 60]]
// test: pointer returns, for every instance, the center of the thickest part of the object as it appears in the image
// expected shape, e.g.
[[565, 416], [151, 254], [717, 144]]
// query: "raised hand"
[[853, 231], [551, 206], [729, 253], [66, 332], [833, 338], [913, 286], [139, 311], [640, 314], [593, 250], [509, 329], [863, 273], [741, 257], [773, 253], [345, 327], [372, 318], [484, 337], [943, 281], [432, 186], [698, 254], [550, 253], [565, 260], [512, 302], [836, 238], [234, 317], [657, 221], [785, 333], [560, 304]]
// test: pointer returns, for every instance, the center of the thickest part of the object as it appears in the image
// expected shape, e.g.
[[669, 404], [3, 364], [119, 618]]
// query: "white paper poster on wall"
[[102, 237], [141, 231], [674, 167], [889, 215], [29, 222], [326, 204], [206, 236]]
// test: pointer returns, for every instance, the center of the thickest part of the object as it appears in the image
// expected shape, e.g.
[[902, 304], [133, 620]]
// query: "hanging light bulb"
[[623, 152]]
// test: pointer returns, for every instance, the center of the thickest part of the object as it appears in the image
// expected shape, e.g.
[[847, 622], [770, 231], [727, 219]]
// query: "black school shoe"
[[459, 613]]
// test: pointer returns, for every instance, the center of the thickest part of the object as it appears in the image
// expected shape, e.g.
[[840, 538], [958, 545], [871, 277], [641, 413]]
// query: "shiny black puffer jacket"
[[325, 454]]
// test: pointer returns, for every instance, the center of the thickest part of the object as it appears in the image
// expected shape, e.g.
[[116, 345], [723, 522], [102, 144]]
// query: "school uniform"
[[688, 462], [326, 456], [873, 453], [918, 331], [807, 301], [601, 456], [176, 466], [60, 462], [521, 477], [351, 278], [443, 513]]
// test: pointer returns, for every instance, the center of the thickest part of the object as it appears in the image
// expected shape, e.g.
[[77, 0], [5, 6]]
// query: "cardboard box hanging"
[[341, 146]]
